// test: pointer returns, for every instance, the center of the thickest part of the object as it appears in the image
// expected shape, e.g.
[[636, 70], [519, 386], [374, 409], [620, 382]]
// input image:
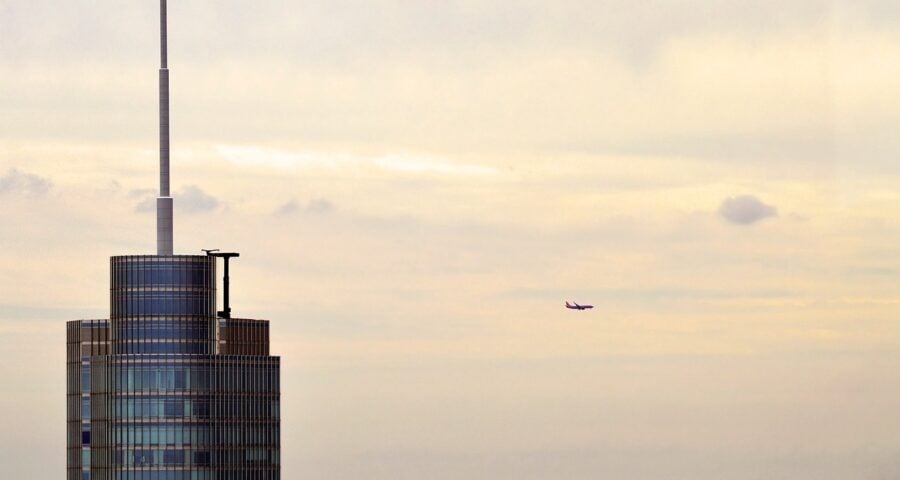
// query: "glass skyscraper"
[[168, 388]]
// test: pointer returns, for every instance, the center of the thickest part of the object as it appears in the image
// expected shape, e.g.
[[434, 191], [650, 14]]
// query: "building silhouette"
[[169, 388]]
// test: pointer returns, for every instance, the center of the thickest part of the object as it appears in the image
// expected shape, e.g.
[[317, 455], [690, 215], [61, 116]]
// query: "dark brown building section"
[[84, 339], [243, 336]]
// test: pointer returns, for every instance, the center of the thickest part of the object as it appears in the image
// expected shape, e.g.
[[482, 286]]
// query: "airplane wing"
[[576, 306]]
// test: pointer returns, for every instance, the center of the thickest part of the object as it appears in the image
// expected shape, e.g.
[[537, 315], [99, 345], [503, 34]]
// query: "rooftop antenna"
[[214, 252], [164, 201]]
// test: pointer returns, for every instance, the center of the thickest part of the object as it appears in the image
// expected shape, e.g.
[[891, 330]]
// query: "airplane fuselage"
[[578, 307]]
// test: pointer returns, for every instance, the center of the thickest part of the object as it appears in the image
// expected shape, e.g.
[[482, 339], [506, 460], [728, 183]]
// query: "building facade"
[[165, 390], [169, 388]]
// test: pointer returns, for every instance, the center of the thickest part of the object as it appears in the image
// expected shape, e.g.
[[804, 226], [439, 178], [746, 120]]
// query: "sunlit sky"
[[416, 188]]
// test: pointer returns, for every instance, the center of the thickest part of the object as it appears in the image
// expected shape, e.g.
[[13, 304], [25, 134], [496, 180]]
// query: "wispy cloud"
[[316, 205], [192, 199], [141, 193], [146, 205], [19, 182], [745, 210]]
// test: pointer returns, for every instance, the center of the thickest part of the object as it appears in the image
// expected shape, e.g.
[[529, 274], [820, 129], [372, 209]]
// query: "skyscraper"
[[169, 388]]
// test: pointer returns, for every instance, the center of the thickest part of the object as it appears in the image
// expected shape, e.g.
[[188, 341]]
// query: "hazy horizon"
[[416, 188]]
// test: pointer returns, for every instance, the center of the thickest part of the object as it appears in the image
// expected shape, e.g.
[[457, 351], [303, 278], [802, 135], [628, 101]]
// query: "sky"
[[416, 188]]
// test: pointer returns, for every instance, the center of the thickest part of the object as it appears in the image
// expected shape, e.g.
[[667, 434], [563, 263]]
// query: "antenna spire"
[[164, 201]]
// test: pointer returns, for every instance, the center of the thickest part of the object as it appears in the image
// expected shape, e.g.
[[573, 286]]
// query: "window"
[[85, 378], [173, 457], [201, 458], [174, 408], [142, 457], [180, 380]]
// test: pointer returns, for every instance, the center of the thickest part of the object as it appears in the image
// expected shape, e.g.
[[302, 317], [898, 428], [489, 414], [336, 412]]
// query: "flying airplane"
[[575, 306]]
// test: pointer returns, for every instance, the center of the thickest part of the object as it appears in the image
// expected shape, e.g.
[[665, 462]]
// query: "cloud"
[[319, 205], [147, 205], [316, 205], [142, 193], [191, 199], [745, 210], [147, 202], [16, 181], [288, 208]]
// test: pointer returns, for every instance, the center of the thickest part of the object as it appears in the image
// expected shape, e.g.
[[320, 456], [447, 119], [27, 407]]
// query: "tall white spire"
[[164, 213]]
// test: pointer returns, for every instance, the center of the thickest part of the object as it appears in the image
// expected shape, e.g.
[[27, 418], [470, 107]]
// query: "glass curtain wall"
[[165, 418], [163, 304]]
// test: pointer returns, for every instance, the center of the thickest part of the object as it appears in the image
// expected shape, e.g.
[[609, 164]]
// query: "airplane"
[[575, 306]]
